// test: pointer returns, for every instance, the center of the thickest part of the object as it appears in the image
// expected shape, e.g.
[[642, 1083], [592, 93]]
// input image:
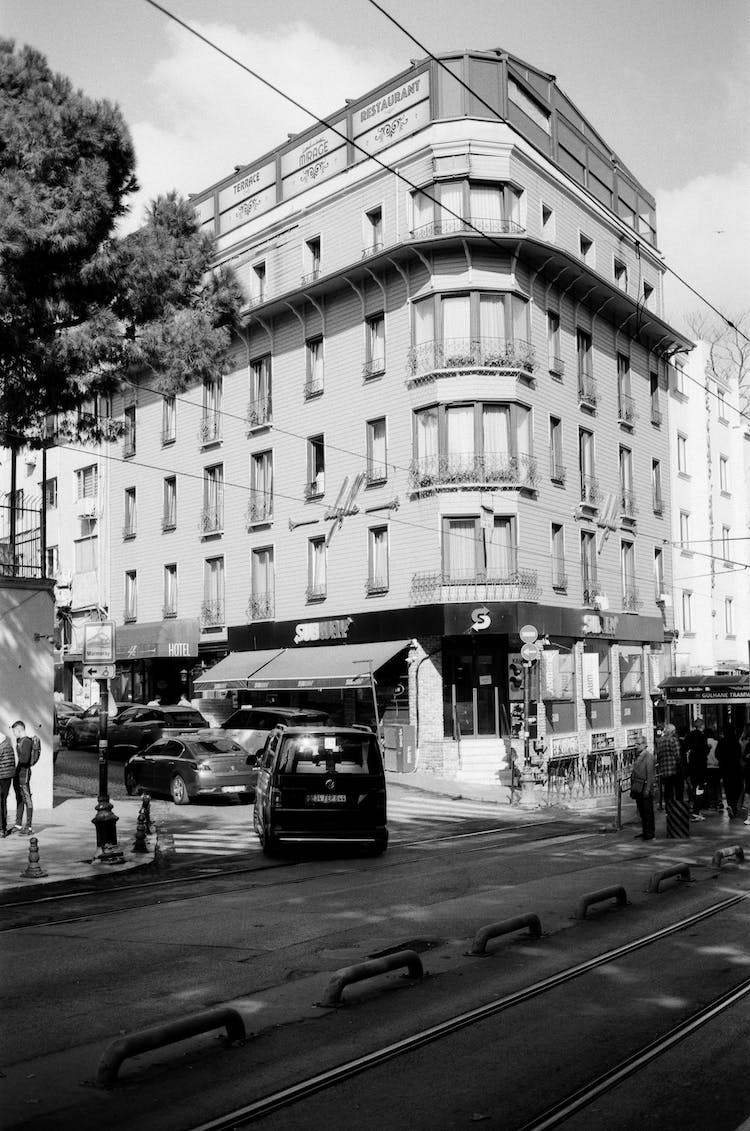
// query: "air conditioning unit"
[[601, 602]]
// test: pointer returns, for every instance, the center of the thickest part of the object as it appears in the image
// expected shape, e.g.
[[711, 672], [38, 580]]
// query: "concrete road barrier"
[[617, 892], [494, 930], [734, 852], [371, 969], [681, 870]]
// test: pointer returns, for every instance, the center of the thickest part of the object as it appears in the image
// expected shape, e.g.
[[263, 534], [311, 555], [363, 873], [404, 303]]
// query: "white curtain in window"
[[131, 595], [491, 318], [499, 548], [451, 197], [168, 417], [456, 319], [170, 587], [315, 361], [523, 431], [377, 339], [628, 565], [318, 565], [586, 450], [262, 571], [377, 444], [626, 469], [214, 581], [261, 380], [423, 209], [379, 556], [460, 436], [486, 202], [520, 319], [424, 321], [461, 549], [495, 434], [213, 485], [427, 439]]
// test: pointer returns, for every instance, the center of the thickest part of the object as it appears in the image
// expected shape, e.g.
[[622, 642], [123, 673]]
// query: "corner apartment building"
[[441, 423]]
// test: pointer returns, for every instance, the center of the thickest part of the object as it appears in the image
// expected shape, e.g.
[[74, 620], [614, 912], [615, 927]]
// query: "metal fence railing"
[[586, 776], [21, 541]]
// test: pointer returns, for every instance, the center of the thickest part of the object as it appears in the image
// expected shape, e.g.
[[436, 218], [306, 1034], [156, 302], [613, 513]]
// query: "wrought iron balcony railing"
[[430, 358], [169, 520], [259, 413], [20, 542], [559, 580], [630, 601], [557, 470], [557, 366], [373, 249], [656, 415], [209, 430], [511, 584], [313, 387], [261, 606], [592, 591], [316, 592], [590, 491], [310, 277], [497, 468], [587, 394], [168, 611], [373, 367], [628, 505], [168, 436], [376, 473], [212, 614], [657, 504], [212, 519], [259, 509], [448, 226], [376, 585], [626, 410]]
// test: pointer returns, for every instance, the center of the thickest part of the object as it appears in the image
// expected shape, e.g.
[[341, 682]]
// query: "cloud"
[[208, 115], [704, 232]]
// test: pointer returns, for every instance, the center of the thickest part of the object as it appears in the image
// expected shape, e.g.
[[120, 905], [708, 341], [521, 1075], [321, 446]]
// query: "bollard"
[[678, 820], [617, 891], [33, 870], [160, 1035], [493, 930], [736, 852], [139, 844], [681, 870], [371, 969]]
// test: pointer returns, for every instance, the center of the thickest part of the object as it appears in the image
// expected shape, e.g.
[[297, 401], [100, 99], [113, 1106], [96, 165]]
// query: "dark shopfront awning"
[[706, 689], [297, 669]]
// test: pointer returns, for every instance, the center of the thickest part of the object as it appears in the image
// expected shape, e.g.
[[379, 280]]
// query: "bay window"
[[484, 330], [461, 204], [475, 442], [474, 552]]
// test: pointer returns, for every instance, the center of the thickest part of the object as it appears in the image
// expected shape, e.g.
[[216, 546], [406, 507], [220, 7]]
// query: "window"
[[687, 611], [476, 442], [52, 561], [684, 531], [212, 609], [316, 569], [373, 230], [129, 433], [557, 467], [262, 581], [589, 483], [87, 482], [86, 553], [621, 274], [169, 512], [212, 516], [648, 294], [726, 544], [486, 330], [170, 590], [628, 507], [722, 402], [548, 222], [377, 469], [630, 600], [260, 504], [588, 567], [586, 382], [655, 405], [311, 260], [210, 430], [556, 365], [534, 110], [658, 575], [377, 570], [131, 596], [168, 420], [678, 379], [50, 494], [657, 501], [724, 475], [557, 546], [444, 207], [626, 404], [316, 467], [681, 454], [374, 345], [586, 248], [128, 530], [314, 379], [631, 672], [258, 282], [728, 616], [472, 552], [259, 407]]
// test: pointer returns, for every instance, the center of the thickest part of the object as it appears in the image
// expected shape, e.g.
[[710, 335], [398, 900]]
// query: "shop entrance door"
[[471, 694]]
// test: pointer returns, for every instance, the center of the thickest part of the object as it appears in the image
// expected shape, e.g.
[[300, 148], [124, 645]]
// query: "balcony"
[[557, 367], [130, 616], [373, 249], [429, 360], [209, 431], [259, 509], [128, 532], [374, 367], [587, 394], [261, 606], [656, 415], [626, 413], [375, 585], [212, 519], [630, 601], [20, 545], [169, 520], [628, 506], [592, 592], [450, 225], [469, 470], [168, 611], [259, 414], [316, 592], [444, 588], [212, 614], [557, 471], [310, 277], [168, 436], [559, 581], [313, 387], [590, 493]]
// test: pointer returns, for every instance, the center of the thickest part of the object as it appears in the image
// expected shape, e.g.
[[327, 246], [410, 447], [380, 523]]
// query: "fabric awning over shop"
[[293, 669], [706, 689], [233, 672]]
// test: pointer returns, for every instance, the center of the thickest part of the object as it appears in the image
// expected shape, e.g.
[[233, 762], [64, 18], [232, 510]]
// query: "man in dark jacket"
[[7, 770], [696, 746], [22, 779]]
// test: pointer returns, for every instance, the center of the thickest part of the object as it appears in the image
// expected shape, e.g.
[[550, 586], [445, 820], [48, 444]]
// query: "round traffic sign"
[[528, 634], [529, 653]]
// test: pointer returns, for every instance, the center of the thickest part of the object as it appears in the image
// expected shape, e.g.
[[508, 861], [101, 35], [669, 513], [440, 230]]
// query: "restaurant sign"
[[315, 630]]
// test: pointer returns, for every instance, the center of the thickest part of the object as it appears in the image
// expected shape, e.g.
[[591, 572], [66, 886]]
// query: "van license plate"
[[323, 798]]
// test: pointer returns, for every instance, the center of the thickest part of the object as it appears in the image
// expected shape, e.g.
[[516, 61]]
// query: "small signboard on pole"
[[99, 642]]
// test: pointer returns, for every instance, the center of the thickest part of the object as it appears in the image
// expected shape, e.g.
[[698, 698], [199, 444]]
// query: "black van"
[[321, 785]]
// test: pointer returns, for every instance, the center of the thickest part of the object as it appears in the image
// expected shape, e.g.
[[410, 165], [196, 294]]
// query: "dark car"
[[82, 730], [65, 709], [196, 764], [137, 727], [321, 785], [251, 726]]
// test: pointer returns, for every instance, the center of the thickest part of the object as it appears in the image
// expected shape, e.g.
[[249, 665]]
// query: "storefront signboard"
[[390, 103], [313, 631], [316, 160]]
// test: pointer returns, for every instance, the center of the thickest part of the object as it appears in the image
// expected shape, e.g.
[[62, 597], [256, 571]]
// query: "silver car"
[[251, 726]]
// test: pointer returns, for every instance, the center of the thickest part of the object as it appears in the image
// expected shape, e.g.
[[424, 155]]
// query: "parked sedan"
[[65, 709], [251, 726], [196, 764], [137, 727], [79, 731]]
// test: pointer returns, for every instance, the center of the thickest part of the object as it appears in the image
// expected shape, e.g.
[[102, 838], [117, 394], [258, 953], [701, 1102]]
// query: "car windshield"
[[329, 753]]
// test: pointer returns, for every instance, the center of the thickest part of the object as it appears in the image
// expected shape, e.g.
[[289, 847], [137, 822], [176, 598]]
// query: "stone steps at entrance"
[[483, 761]]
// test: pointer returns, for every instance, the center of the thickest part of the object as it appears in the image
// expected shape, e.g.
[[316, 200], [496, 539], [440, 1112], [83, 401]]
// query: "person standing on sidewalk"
[[729, 756], [642, 781], [7, 772], [670, 764], [697, 757], [22, 778]]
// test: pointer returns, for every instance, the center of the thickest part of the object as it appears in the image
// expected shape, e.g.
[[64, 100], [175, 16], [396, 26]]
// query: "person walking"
[[22, 779], [670, 764], [729, 757], [713, 774], [697, 756], [7, 771], [642, 781]]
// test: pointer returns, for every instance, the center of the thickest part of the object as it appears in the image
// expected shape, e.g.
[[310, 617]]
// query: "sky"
[[665, 82]]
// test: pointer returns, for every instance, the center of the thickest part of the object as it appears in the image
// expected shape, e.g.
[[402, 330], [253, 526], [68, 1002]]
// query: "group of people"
[[701, 763], [15, 770]]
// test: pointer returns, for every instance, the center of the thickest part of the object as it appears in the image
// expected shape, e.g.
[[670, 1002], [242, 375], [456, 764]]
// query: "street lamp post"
[[105, 821]]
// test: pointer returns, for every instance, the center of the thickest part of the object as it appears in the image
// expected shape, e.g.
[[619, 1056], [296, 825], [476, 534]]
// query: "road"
[[268, 936]]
